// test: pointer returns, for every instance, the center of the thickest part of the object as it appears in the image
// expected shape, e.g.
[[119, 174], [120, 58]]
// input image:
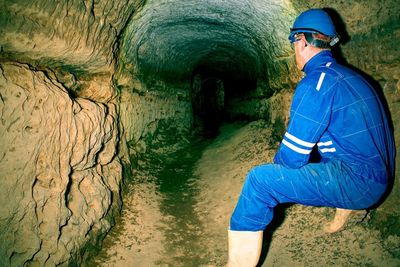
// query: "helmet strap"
[[334, 41]]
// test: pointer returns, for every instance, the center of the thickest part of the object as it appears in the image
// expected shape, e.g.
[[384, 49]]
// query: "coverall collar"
[[319, 59]]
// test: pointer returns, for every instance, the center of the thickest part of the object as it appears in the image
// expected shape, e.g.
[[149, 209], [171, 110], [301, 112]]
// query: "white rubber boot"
[[342, 218], [244, 248]]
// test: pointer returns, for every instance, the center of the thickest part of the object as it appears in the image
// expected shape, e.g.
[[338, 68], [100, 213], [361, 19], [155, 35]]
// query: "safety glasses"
[[294, 38]]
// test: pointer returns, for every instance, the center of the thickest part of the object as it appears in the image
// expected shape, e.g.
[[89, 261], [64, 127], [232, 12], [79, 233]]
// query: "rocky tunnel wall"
[[86, 87], [60, 166], [60, 179]]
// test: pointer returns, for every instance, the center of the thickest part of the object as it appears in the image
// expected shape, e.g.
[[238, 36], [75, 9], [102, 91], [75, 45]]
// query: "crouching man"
[[333, 110]]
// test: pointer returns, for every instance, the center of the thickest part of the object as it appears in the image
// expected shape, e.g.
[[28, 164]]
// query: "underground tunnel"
[[128, 127]]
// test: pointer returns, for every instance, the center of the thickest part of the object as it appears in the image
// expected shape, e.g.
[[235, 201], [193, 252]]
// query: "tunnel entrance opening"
[[213, 94]]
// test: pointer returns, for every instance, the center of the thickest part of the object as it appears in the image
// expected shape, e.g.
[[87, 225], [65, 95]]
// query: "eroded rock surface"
[[79, 35], [60, 179]]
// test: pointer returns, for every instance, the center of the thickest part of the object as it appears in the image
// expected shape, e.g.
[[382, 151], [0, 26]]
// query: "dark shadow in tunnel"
[[207, 103], [211, 93]]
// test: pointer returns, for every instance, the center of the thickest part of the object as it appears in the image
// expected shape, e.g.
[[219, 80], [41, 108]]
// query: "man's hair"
[[318, 40]]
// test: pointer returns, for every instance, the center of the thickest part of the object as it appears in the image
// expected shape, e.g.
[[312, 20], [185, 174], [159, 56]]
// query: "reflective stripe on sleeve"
[[324, 150], [295, 148], [299, 141], [328, 143]]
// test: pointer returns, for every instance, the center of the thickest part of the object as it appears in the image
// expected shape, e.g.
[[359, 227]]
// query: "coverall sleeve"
[[309, 118]]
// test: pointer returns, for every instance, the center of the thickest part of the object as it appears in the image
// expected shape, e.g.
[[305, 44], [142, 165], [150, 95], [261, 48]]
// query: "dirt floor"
[[164, 223]]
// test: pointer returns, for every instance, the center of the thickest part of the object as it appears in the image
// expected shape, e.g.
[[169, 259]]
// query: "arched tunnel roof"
[[171, 38]]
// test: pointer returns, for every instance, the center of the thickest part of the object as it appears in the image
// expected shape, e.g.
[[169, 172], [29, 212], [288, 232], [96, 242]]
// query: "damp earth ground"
[[177, 210]]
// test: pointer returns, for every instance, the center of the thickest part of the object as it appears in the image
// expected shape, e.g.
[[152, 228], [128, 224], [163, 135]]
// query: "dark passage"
[[213, 94], [208, 100]]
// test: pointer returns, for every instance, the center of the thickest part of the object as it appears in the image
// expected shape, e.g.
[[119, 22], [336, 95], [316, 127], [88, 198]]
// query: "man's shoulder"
[[332, 69], [322, 79]]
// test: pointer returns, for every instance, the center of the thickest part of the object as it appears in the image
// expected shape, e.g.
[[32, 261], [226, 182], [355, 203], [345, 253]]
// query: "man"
[[335, 111]]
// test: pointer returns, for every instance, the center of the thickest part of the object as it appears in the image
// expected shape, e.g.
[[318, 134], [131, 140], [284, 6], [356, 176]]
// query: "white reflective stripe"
[[325, 143], [295, 148], [321, 79], [324, 150], [299, 141], [328, 64]]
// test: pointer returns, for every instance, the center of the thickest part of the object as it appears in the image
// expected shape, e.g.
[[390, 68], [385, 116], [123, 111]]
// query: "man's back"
[[359, 123], [338, 110]]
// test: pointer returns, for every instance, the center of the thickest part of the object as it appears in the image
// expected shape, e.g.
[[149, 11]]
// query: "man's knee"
[[262, 176]]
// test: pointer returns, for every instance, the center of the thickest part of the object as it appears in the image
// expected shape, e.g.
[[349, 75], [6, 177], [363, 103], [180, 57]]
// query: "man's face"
[[297, 52], [298, 46]]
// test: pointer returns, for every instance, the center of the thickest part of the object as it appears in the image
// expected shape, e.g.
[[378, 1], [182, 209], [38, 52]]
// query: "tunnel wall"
[[78, 36], [60, 179], [70, 127], [152, 117], [60, 163]]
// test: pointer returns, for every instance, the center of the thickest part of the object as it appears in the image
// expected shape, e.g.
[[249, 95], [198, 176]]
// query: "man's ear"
[[303, 42]]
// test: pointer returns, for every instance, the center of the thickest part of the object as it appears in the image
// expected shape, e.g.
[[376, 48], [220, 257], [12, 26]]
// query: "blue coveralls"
[[336, 110]]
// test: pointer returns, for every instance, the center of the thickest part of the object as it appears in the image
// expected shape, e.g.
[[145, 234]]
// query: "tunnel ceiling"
[[172, 38]]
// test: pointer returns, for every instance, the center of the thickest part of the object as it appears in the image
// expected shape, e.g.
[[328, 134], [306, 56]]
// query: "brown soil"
[[152, 232]]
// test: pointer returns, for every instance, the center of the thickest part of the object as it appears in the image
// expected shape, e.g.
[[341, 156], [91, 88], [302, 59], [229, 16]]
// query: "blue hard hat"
[[315, 21]]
